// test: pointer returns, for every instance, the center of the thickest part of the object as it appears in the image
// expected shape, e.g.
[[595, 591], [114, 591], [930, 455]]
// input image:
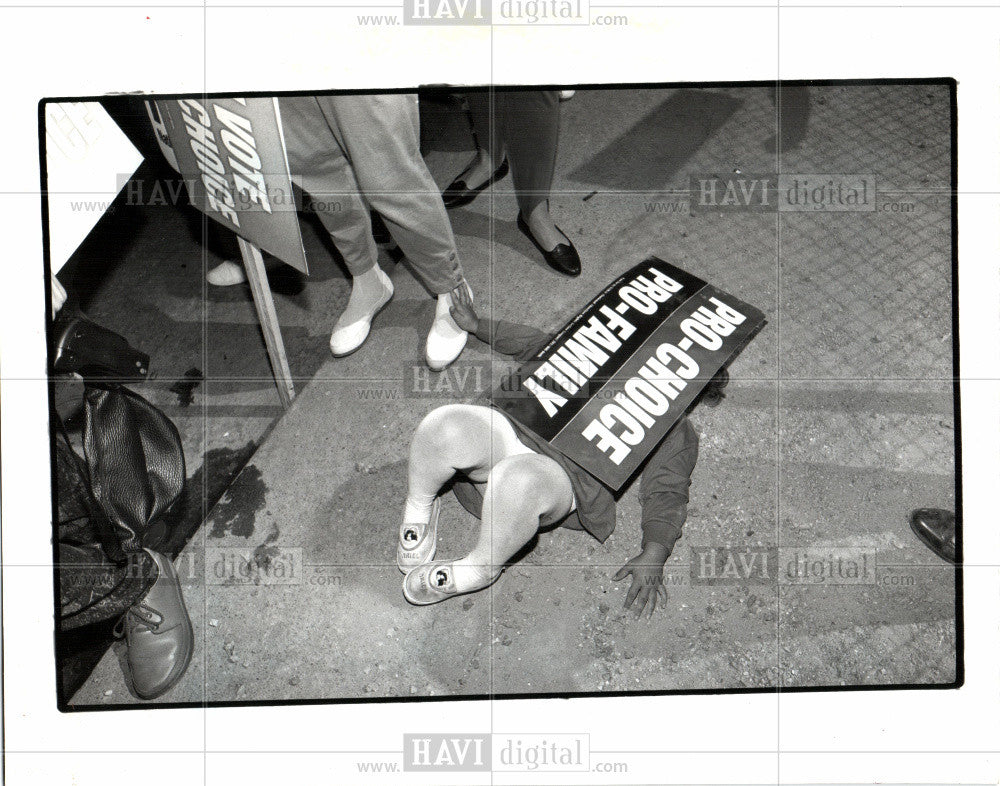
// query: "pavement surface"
[[838, 422]]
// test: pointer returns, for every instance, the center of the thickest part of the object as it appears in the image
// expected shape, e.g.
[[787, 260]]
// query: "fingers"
[[461, 295], [645, 592], [633, 591], [641, 601], [658, 595], [647, 599], [464, 317]]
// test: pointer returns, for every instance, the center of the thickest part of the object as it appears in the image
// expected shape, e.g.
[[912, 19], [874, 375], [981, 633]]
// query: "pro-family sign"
[[231, 154], [610, 384]]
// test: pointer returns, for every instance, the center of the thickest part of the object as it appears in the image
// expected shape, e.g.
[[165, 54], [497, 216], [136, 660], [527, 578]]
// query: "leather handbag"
[[107, 505]]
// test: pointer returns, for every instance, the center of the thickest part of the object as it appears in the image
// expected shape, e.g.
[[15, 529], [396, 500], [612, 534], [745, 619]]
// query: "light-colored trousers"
[[351, 152]]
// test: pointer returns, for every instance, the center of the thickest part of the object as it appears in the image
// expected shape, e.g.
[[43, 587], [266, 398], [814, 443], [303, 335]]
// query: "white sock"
[[417, 510], [471, 575]]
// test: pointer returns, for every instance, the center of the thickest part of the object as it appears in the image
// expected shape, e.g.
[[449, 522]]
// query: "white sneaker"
[[226, 274], [446, 339], [418, 542], [347, 338]]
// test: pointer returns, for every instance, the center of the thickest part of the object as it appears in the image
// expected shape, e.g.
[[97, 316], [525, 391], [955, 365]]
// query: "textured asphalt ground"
[[838, 422]]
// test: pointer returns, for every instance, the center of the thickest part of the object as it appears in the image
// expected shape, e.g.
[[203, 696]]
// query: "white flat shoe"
[[433, 583], [446, 339], [345, 339], [226, 274], [418, 542]]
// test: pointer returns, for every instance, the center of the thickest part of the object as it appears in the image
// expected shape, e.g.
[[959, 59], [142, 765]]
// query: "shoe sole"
[[361, 343]]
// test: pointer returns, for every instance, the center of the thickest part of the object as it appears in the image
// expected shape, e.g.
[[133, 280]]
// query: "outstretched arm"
[[663, 487], [663, 493], [507, 338]]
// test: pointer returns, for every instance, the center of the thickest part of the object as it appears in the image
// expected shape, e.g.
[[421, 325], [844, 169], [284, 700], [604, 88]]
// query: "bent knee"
[[537, 481], [454, 427], [447, 423]]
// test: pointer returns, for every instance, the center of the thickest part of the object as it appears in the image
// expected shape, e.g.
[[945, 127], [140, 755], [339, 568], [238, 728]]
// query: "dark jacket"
[[663, 486]]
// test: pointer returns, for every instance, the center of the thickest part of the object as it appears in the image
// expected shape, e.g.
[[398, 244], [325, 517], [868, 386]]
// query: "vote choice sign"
[[231, 153], [614, 380]]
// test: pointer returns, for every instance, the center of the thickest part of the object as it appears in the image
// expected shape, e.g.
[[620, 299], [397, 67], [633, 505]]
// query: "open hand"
[[462, 312], [646, 569]]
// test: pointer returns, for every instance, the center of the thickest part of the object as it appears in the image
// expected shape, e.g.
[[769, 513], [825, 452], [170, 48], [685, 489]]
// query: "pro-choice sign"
[[610, 384], [231, 153]]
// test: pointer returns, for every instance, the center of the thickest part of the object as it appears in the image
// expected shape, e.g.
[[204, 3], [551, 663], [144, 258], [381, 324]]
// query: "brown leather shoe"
[[936, 528], [159, 634]]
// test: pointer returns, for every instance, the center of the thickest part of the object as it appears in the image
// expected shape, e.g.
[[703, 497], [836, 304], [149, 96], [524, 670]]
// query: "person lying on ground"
[[516, 483]]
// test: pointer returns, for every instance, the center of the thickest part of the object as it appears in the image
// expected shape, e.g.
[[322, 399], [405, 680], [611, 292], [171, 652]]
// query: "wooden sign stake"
[[253, 261]]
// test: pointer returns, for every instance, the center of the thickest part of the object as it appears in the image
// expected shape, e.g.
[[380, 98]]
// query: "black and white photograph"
[[473, 427], [536, 392]]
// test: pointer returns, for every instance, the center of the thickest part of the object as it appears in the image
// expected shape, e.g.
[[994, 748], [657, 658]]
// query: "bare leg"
[[522, 492], [452, 438], [523, 489]]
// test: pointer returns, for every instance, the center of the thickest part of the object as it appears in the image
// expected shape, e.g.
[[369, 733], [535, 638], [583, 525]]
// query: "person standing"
[[354, 153], [518, 131]]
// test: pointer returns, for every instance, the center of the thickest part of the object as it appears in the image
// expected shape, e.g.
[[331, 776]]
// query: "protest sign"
[[610, 384], [231, 154]]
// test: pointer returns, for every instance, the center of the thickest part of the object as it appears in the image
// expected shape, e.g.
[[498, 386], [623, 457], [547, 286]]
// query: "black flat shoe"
[[562, 258], [936, 528], [458, 193]]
